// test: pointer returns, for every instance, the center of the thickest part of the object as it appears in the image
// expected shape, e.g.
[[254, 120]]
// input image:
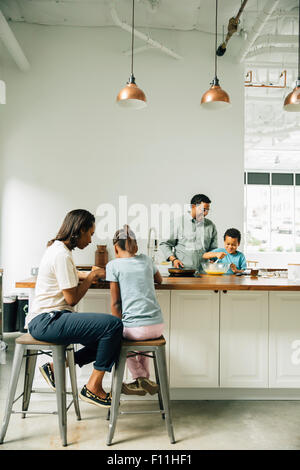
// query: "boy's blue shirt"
[[238, 258]]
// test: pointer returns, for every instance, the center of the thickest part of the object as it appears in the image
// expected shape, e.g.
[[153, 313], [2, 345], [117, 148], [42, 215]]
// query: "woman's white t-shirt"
[[57, 271]]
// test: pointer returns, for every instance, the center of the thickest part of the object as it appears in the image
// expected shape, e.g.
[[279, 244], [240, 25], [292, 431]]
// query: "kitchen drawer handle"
[[224, 291], [216, 291]]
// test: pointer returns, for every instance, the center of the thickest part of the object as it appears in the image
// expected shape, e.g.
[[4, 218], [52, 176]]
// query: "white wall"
[[65, 144]]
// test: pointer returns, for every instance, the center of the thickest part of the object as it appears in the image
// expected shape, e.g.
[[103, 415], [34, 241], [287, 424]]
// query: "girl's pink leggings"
[[139, 365]]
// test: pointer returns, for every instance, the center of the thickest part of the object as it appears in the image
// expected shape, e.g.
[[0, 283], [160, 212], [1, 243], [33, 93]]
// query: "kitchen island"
[[227, 336]]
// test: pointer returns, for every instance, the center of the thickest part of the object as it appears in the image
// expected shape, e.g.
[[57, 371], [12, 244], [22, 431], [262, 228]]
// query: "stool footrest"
[[39, 412], [140, 412], [139, 353], [71, 403], [16, 399], [34, 412], [52, 392]]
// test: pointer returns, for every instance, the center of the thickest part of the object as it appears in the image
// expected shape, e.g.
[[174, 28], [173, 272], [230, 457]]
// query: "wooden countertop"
[[205, 282]]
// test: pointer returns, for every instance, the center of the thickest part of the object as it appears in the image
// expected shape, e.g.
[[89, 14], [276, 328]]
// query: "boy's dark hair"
[[198, 198], [233, 233]]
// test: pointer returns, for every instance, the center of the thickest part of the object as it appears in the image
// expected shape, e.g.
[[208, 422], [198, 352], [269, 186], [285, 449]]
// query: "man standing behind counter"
[[191, 235]]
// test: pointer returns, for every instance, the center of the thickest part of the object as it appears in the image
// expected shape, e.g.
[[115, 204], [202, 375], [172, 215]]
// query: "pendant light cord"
[[132, 37], [216, 39], [299, 41]]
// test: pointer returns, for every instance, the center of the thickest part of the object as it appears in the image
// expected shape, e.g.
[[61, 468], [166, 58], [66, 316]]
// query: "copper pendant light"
[[131, 96], [215, 98], [292, 101]]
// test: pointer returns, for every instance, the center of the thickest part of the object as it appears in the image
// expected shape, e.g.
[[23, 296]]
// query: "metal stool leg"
[[112, 384], [16, 367], [116, 392], [29, 374], [72, 373], [161, 406], [59, 358], [163, 379]]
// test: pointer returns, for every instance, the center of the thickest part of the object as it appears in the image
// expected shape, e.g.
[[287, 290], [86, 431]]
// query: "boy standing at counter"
[[236, 259]]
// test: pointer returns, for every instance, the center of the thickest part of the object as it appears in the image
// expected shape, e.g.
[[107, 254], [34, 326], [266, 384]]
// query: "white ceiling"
[[168, 14], [272, 137], [165, 14]]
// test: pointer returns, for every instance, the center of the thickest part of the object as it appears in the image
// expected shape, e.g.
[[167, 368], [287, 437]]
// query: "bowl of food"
[[215, 268]]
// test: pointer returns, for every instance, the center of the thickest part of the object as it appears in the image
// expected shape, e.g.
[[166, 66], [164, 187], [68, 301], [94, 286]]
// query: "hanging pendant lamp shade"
[[131, 96], [215, 98], [292, 101]]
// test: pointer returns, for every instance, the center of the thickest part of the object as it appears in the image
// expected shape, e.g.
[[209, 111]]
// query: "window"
[[272, 208], [282, 218], [297, 217]]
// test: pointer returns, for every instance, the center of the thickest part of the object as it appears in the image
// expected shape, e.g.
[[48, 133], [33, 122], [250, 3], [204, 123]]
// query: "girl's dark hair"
[[75, 221], [125, 239], [233, 233]]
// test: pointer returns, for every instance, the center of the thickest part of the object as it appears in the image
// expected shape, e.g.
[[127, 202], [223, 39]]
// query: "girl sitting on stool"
[[133, 300]]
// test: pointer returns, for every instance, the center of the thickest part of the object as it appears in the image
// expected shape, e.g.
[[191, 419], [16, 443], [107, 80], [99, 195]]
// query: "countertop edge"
[[172, 284]]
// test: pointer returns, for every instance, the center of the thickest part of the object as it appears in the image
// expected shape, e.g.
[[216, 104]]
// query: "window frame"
[[271, 179]]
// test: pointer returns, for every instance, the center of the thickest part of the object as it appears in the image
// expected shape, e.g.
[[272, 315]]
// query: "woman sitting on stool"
[[58, 290]]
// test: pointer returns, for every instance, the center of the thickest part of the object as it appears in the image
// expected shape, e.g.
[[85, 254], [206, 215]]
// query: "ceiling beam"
[[273, 39], [11, 43], [272, 50], [138, 34], [271, 65], [264, 16]]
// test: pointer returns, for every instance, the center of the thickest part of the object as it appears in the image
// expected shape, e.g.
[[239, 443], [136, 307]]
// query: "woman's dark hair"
[[75, 221], [125, 239], [198, 198], [233, 233]]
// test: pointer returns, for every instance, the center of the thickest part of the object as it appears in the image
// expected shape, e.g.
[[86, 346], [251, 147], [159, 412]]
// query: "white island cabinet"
[[284, 331], [219, 339], [194, 339], [244, 339]]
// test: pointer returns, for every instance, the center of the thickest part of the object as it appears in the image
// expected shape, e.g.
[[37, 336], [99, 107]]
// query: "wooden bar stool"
[[27, 346], [156, 348]]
